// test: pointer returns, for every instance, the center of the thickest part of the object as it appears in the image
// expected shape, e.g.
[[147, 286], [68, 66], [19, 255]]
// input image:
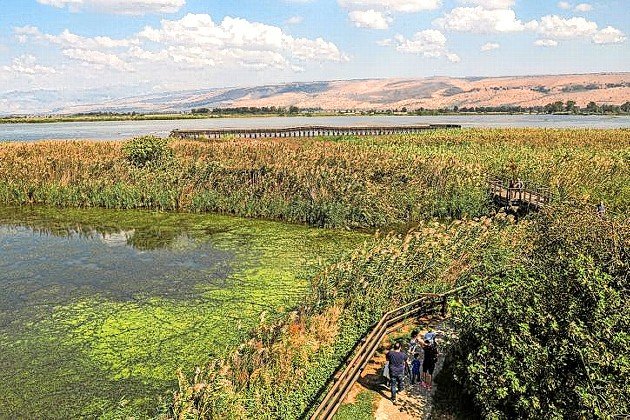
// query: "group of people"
[[420, 369]]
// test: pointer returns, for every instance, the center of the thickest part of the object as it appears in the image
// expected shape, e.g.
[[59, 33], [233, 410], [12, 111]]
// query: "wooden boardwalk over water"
[[523, 196], [307, 131]]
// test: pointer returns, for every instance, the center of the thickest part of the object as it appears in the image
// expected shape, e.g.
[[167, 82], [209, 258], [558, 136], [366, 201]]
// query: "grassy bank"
[[341, 182]]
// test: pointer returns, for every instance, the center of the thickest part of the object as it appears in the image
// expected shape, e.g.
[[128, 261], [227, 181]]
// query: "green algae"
[[105, 345]]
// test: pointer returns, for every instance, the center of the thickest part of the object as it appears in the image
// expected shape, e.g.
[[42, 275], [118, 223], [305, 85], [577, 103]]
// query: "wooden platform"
[[307, 131], [525, 196]]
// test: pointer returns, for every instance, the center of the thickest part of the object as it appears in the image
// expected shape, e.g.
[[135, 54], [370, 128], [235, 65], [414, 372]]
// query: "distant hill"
[[434, 92]]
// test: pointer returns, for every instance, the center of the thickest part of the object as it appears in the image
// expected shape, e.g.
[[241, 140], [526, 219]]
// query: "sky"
[[57, 52]]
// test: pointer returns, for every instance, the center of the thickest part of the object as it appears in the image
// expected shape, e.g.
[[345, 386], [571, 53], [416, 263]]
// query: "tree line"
[[558, 107]]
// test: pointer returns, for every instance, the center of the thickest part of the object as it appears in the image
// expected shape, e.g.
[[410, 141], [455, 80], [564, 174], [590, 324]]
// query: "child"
[[415, 368]]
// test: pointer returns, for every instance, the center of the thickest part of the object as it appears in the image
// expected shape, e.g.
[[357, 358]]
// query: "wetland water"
[[99, 306], [113, 130]]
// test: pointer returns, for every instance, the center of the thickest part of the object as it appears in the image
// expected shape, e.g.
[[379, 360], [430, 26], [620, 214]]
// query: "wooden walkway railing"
[[525, 194], [308, 131], [343, 382]]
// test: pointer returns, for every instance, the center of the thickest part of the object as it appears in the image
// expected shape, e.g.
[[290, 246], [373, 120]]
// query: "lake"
[[100, 308], [110, 130]]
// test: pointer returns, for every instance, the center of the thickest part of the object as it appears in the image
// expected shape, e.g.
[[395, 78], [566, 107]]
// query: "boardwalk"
[[308, 131], [518, 196]]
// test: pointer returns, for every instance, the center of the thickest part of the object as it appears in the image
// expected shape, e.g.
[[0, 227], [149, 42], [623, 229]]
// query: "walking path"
[[415, 401]]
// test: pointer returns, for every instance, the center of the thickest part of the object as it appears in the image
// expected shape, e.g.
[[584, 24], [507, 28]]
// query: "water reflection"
[[144, 239]]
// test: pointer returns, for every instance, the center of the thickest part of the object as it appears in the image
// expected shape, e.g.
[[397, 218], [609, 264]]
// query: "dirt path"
[[415, 401]]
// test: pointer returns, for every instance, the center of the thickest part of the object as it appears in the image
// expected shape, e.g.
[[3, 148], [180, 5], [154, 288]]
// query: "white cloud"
[[370, 19], [376, 14], [480, 20], [67, 39], [545, 43], [428, 43], [239, 40], [27, 65], [97, 59], [609, 35], [193, 42], [583, 7], [490, 46], [491, 4], [123, 7], [564, 5], [556, 27], [402, 6], [294, 20]]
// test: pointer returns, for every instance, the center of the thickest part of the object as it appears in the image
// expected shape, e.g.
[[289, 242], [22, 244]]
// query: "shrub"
[[552, 340], [147, 151]]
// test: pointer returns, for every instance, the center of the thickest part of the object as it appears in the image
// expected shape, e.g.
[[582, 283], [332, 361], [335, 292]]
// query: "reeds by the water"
[[343, 182]]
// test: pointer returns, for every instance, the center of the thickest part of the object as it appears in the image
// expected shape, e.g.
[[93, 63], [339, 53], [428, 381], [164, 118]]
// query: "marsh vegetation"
[[425, 198]]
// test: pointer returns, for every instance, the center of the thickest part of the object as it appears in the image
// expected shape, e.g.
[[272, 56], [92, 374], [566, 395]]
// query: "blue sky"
[[108, 48]]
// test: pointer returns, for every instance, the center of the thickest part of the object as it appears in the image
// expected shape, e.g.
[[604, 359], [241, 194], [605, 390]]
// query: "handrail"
[[344, 381], [536, 196]]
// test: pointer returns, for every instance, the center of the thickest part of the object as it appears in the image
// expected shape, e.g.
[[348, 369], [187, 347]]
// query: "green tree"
[[551, 339], [593, 108]]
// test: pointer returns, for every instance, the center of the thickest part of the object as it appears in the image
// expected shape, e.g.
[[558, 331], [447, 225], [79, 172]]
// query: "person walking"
[[398, 361], [601, 209], [428, 365], [430, 336], [415, 343]]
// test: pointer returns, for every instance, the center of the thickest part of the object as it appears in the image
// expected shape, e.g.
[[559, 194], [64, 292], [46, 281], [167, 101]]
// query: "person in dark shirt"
[[397, 364], [428, 365]]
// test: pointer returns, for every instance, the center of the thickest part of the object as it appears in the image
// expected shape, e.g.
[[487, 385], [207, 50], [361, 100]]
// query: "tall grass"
[[344, 182]]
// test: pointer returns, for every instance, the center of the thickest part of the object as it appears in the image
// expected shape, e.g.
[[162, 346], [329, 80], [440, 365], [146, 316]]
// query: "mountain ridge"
[[381, 94]]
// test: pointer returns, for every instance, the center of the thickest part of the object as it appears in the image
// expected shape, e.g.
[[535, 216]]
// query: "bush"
[[552, 340], [147, 151]]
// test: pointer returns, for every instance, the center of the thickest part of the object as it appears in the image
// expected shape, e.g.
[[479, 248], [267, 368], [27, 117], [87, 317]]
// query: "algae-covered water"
[[98, 308]]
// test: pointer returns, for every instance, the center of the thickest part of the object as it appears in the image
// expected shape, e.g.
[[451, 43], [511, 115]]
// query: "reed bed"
[[341, 182]]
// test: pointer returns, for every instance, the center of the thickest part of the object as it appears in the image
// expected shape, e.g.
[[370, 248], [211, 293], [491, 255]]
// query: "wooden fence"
[[307, 131]]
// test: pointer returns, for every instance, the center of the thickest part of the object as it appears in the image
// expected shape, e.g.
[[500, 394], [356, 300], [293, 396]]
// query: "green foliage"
[[351, 182], [551, 339], [361, 409], [147, 151], [287, 361]]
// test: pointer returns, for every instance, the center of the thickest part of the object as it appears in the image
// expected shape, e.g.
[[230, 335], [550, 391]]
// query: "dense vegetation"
[[555, 284], [340, 182], [277, 373], [552, 338]]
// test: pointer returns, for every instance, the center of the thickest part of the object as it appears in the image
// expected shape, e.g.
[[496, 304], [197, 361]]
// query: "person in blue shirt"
[[415, 368]]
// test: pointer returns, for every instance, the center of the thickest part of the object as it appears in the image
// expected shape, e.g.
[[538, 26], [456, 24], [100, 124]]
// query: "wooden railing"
[[343, 381], [526, 193], [308, 131]]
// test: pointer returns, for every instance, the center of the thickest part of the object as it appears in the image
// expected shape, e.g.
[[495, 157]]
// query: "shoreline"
[[184, 117]]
